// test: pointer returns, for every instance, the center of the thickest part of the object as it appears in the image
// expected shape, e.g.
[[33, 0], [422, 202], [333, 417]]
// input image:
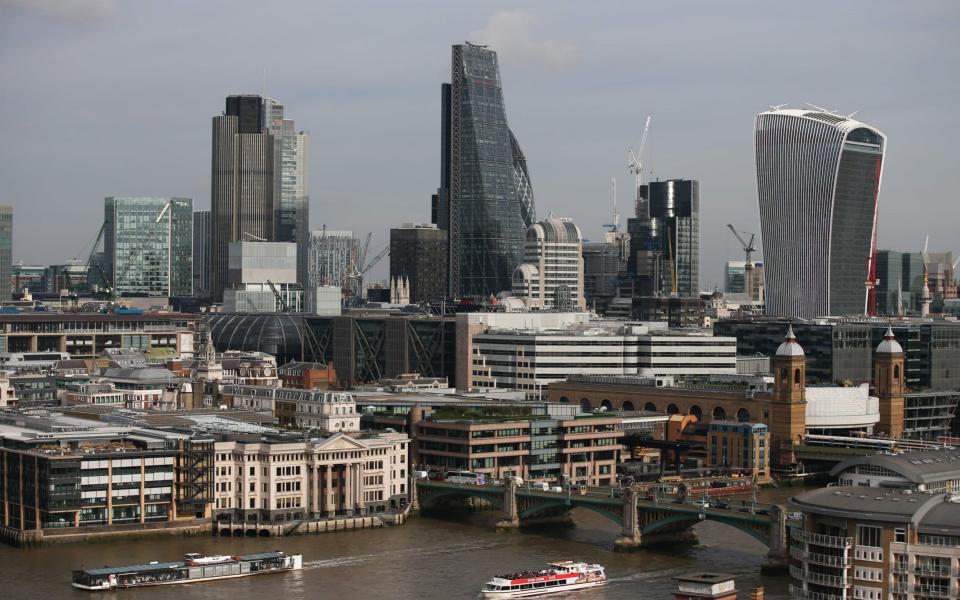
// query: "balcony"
[[801, 594], [934, 571], [819, 578], [820, 539], [815, 558]]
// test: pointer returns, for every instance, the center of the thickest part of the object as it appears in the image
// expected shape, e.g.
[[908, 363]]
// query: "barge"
[[193, 568]]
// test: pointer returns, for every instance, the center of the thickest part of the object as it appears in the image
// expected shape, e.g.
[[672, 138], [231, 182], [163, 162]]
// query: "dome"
[[889, 345], [278, 334], [790, 347]]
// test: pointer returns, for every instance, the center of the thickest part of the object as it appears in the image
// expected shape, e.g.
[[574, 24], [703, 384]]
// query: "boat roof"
[[160, 566]]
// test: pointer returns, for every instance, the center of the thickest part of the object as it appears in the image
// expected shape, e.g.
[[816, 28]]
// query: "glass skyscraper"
[[818, 177], [332, 256], [6, 250], [148, 246], [485, 200], [201, 253]]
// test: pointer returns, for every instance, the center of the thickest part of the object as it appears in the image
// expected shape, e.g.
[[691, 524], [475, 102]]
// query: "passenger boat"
[[558, 577], [192, 569]]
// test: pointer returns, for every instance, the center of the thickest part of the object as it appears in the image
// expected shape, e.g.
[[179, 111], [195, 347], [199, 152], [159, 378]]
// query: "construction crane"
[[362, 266], [280, 301], [615, 226], [635, 163], [748, 247]]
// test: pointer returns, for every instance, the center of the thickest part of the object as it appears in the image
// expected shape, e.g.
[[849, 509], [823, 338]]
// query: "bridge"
[[642, 522]]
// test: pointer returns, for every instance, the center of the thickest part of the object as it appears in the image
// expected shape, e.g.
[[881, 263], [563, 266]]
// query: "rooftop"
[[926, 511], [917, 467]]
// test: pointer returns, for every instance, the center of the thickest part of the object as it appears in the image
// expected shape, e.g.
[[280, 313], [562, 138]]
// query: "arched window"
[[697, 412], [784, 376], [584, 405], [743, 415], [564, 399], [719, 414], [796, 377], [627, 405], [606, 404], [650, 407], [672, 409], [896, 372]]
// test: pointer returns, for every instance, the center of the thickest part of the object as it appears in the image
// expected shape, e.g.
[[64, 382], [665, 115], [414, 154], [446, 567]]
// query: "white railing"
[[827, 560], [819, 578], [801, 594], [820, 539]]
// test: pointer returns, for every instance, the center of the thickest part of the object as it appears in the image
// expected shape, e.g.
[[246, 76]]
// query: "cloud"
[[509, 34], [65, 9]]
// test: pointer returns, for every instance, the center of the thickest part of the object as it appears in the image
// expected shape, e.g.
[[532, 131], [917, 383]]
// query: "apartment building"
[[926, 471], [743, 447], [306, 409], [272, 478], [875, 544]]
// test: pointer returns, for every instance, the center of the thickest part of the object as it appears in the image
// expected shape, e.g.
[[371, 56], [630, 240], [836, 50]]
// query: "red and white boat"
[[558, 577]]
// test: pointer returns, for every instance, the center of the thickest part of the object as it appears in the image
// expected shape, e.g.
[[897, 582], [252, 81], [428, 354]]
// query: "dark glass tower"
[[485, 200], [818, 176], [665, 243]]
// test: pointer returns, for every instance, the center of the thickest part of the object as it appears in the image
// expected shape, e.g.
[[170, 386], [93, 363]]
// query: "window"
[[900, 535], [868, 536]]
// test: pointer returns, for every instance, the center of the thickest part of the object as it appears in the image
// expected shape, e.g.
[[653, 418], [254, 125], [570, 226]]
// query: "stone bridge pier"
[[629, 538], [511, 516]]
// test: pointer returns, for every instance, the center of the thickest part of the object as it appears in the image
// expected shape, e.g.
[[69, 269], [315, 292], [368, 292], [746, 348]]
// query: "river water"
[[430, 558]]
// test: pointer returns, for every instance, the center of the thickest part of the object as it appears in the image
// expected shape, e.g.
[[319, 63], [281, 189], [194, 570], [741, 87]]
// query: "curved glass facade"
[[489, 203], [281, 335], [818, 176]]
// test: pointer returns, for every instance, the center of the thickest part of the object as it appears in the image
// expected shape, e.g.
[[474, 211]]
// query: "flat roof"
[[705, 577]]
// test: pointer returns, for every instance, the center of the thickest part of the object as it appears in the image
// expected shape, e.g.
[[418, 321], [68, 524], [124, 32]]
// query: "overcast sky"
[[114, 97]]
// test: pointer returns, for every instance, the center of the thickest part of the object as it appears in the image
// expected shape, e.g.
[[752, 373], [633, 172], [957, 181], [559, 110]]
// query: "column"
[[358, 487], [315, 491]]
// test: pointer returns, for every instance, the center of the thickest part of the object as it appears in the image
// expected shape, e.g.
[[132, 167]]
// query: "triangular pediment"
[[339, 441]]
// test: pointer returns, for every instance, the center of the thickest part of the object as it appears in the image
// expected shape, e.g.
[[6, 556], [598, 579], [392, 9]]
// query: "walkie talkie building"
[[485, 200], [818, 177]]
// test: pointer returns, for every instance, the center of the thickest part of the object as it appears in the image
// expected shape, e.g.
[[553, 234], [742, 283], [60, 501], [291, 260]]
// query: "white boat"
[[558, 577], [192, 569]]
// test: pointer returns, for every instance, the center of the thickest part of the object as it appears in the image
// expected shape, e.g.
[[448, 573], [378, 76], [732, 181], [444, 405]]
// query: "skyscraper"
[[485, 200], [6, 250], [291, 218], [818, 177], [201, 253], [418, 253], [148, 246], [665, 242], [243, 183]]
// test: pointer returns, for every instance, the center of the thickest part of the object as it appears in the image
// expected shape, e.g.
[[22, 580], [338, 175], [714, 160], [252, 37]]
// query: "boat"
[[559, 577], [193, 568]]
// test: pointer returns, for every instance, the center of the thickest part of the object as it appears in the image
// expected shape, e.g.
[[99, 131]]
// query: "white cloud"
[[509, 34], [66, 9]]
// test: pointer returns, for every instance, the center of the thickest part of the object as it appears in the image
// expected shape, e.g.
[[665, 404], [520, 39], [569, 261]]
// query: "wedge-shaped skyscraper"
[[818, 177], [485, 200]]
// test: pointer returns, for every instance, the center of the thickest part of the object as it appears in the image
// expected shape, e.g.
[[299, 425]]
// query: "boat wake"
[[347, 561], [646, 576]]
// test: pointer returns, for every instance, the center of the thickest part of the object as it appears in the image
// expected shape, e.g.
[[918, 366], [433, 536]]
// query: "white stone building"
[[552, 266]]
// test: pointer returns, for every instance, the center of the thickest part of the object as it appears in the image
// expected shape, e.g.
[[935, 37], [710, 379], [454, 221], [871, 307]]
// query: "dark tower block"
[[888, 385], [788, 407]]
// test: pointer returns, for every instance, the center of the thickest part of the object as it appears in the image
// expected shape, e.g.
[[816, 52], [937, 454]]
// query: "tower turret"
[[889, 384], [788, 404]]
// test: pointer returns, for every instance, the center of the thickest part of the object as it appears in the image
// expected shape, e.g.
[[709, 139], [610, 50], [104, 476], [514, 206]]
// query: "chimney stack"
[[756, 593]]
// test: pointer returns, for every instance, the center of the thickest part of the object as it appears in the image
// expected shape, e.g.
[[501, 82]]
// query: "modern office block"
[[551, 275], [6, 250], [262, 277], [818, 177], [201, 253], [485, 200], [148, 246], [418, 253], [332, 256]]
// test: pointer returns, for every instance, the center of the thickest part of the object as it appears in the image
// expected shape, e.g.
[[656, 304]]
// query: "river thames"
[[430, 558]]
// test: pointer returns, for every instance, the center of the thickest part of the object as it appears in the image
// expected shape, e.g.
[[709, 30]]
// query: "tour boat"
[[558, 577], [192, 569]]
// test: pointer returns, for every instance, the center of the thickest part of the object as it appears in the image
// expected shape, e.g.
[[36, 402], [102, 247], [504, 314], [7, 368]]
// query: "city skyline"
[[571, 152]]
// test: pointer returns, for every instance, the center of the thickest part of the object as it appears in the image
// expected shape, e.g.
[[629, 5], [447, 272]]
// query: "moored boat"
[[193, 568], [558, 577]]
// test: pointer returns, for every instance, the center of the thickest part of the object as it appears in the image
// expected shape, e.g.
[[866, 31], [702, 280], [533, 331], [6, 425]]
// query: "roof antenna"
[[264, 81]]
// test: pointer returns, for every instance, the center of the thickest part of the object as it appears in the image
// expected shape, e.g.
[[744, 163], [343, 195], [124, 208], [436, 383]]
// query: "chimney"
[[756, 593]]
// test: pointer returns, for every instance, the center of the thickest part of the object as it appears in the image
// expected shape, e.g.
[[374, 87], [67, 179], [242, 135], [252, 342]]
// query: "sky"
[[115, 98]]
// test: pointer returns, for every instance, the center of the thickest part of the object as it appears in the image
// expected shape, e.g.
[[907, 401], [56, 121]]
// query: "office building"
[[743, 447], [665, 242], [418, 254], [262, 277], [551, 275], [6, 250], [485, 200], [874, 544], [30, 278], [201, 253], [291, 219], [244, 183], [148, 246], [744, 279], [332, 258], [818, 207], [605, 270]]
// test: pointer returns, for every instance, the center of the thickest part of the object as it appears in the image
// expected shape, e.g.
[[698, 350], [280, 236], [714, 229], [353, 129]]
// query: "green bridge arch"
[[599, 509], [433, 496], [694, 518]]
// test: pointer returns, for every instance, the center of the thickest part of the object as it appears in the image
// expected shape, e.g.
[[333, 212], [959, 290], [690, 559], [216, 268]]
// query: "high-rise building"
[[148, 246], [485, 200], [665, 243], [243, 183], [551, 275], [291, 217], [6, 250], [818, 177], [418, 253], [605, 270], [745, 279], [892, 297], [332, 256], [201, 253]]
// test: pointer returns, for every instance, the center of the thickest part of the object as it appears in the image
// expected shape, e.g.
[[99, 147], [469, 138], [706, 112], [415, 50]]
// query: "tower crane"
[[615, 226], [362, 266], [635, 163], [748, 247]]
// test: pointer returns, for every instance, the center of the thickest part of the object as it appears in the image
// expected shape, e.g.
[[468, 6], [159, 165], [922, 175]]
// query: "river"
[[427, 558]]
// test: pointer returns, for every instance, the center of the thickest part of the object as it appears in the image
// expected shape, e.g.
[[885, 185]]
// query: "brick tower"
[[788, 406], [888, 385]]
